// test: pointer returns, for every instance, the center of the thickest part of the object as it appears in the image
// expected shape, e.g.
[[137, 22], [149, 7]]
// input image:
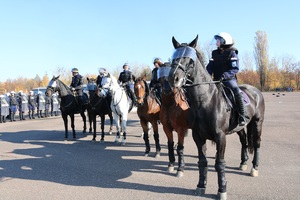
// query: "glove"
[[73, 89]]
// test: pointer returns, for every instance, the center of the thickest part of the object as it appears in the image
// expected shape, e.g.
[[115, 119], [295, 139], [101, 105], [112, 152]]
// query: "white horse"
[[119, 104]]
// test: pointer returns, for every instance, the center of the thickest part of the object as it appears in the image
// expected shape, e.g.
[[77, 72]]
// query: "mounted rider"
[[104, 81], [76, 85], [126, 79], [155, 83], [224, 65]]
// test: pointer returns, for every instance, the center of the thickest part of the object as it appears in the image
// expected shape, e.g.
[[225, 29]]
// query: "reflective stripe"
[[233, 59]]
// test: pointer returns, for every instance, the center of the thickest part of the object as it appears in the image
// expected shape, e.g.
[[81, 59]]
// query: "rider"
[[76, 85], [224, 65], [104, 76], [155, 83], [125, 78]]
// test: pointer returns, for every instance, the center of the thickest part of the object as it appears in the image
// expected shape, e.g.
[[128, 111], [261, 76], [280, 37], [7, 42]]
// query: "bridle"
[[188, 82]]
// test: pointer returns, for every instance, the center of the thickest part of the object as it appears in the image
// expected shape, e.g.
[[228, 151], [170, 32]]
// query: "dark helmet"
[[157, 60], [75, 70], [125, 64]]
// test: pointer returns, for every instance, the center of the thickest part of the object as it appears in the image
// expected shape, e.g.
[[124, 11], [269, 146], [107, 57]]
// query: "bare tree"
[[261, 56]]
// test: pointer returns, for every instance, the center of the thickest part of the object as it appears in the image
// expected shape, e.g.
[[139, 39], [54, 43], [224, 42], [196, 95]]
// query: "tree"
[[261, 56]]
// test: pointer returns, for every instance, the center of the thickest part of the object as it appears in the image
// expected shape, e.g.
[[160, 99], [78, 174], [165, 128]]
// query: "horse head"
[[141, 90], [91, 85], [52, 86], [56, 85], [183, 61]]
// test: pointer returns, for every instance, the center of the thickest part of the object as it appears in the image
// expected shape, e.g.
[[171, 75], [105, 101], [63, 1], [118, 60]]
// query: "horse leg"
[[90, 121], [220, 164], [102, 127], [111, 123], [202, 163], [73, 125], [84, 121], [144, 125], [65, 118], [180, 148], [94, 127], [117, 121], [124, 123], [254, 130], [156, 138], [244, 154]]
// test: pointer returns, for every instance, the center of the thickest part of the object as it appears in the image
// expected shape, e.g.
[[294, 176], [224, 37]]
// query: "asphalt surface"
[[36, 162]]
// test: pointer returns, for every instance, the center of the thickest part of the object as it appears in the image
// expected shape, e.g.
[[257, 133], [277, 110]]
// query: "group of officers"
[[223, 66], [32, 104]]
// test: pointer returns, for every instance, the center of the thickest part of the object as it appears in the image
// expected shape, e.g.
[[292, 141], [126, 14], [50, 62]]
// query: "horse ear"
[[175, 43], [144, 77], [56, 77], [194, 42], [87, 78], [133, 78]]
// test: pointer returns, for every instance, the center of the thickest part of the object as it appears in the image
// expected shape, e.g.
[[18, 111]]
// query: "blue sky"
[[38, 36]]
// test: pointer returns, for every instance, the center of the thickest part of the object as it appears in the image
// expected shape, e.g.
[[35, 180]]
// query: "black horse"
[[68, 105], [98, 106], [212, 118]]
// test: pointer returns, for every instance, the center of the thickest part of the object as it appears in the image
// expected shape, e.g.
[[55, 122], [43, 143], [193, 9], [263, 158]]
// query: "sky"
[[39, 36]]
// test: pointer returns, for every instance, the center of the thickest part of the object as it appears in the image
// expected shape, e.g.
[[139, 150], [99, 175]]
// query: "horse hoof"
[[84, 131], [157, 155], [179, 174], [93, 140], [74, 138], [171, 169], [146, 154], [110, 133], [116, 141], [200, 191], [123, 143], [66, 139], [243, 167], [222, 195], [254, 172], [102, 141]]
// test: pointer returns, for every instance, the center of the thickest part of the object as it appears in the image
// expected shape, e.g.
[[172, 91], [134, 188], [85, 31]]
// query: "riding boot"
[[29, 114], [13, 117], [4, 119], [241, 109], [20, 116]]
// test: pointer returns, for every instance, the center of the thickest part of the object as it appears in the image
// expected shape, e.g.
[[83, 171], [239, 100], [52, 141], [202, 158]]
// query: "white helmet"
[[102, 72], [12, 92], [225, 38], [31, 92]]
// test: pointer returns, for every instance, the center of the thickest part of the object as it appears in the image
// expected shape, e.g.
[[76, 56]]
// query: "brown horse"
[[148, 111], [174, 114]]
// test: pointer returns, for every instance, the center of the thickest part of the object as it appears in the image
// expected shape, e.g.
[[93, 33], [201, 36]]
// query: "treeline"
[[257, 70]]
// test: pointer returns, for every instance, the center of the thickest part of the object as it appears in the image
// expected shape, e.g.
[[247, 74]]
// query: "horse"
[[68, 104], [211, 118], [119, 106], [98, 106], [174, 115], [148, 111]]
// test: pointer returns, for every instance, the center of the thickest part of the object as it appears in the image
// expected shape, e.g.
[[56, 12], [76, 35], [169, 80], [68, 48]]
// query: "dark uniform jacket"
[[223, 64], [77, 82], [125, 77]]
